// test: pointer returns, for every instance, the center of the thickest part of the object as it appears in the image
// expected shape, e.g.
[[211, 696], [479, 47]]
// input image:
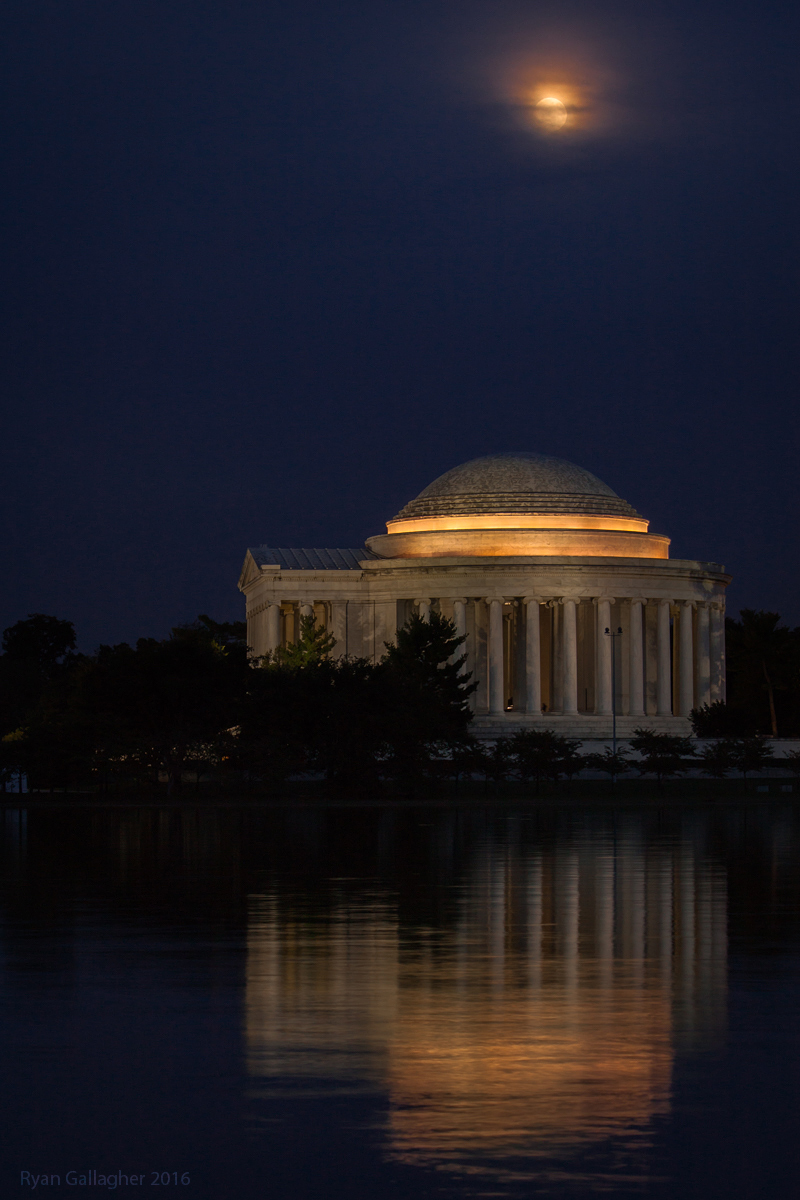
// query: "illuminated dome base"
[[495, 543]]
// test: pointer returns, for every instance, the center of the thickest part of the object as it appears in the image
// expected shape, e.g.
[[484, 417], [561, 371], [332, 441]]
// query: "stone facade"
[[535, 623]]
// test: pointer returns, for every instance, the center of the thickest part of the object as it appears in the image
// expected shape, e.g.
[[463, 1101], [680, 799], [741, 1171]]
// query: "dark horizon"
[[270, 271]]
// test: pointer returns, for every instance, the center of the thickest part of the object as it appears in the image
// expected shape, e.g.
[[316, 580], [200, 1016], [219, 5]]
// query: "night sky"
[[271, 268]]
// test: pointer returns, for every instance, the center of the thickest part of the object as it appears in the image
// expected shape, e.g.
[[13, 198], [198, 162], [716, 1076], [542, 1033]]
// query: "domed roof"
[[517, 483]]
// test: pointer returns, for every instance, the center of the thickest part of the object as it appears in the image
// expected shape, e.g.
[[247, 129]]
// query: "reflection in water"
[[542, 1019]]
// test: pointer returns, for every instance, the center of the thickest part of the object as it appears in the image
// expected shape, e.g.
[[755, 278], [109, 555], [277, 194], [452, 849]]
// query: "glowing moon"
[[550, 113]]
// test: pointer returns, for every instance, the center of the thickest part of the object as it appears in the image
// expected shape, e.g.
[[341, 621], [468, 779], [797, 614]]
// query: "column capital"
[[533, 600], [717, 605], [663, 601], [459, 600], [494, 600], [688, 603], [604, 599], [638, 600]]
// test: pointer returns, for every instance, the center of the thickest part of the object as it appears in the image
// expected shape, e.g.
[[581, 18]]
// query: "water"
[[376, 1002]]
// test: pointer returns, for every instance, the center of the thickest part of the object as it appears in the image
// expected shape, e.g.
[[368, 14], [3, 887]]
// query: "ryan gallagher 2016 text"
[[98, 1179]]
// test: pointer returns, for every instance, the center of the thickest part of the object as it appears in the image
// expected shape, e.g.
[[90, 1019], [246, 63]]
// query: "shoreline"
[[626, 793]]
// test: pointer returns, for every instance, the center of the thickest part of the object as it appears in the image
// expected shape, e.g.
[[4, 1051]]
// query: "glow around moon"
[[550, 113]]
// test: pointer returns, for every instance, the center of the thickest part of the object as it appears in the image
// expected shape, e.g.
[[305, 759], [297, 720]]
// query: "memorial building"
[[572, 610]]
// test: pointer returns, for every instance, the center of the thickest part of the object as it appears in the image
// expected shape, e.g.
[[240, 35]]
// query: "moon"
[[550, 113]]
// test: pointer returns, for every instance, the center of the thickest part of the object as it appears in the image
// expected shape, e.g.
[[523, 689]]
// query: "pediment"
[[251, 571]]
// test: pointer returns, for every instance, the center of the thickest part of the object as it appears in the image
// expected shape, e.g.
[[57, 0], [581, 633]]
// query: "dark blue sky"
[[271, 268]]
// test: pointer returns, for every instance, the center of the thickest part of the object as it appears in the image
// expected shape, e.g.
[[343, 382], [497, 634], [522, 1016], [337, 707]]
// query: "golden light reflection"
[[544, 1020], [521, 1074]]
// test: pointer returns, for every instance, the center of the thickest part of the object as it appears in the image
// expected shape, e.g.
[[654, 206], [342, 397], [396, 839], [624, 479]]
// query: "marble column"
[[460, 619], [717, 651], [496, 686], [273, 615], [460, 622], [423, 609], [604, 650], [338, 628], [664, 678], [637, 659], [686, 667], [533, 657], [703, 656], [557, 655], [306, 609], [291, 624], [570, 644]]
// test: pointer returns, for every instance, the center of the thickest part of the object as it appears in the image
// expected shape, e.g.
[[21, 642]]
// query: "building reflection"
[[544, 1017]]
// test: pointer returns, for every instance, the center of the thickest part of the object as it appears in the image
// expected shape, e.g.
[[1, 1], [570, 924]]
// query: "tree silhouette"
[[762, 657], [661, 754], [543, 754], [34, 652]]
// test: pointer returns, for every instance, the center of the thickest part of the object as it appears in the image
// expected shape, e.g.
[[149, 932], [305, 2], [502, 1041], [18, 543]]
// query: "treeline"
[[193, 704], [192, 707]]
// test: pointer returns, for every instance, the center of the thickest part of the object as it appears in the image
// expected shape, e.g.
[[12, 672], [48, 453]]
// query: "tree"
[[34, 652], [230, 634], [718, 758], [720, 720], [660, 754], [751, 754], [542, 754], [40, 640], [610, 763], [762, 660], [467, 757], [497, 760], [154, 705], [312, 647], [425, 696], [425, 655], [326, 715], [793, 761]]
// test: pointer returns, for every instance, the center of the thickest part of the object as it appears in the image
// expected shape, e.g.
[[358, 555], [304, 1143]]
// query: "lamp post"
[[617, 633]]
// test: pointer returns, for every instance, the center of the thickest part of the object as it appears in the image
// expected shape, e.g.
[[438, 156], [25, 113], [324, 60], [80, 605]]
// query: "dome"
[[523, 504], [516, 483]]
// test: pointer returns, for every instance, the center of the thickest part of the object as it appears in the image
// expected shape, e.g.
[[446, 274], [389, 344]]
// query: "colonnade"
[[689, 657], [668, 657]]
